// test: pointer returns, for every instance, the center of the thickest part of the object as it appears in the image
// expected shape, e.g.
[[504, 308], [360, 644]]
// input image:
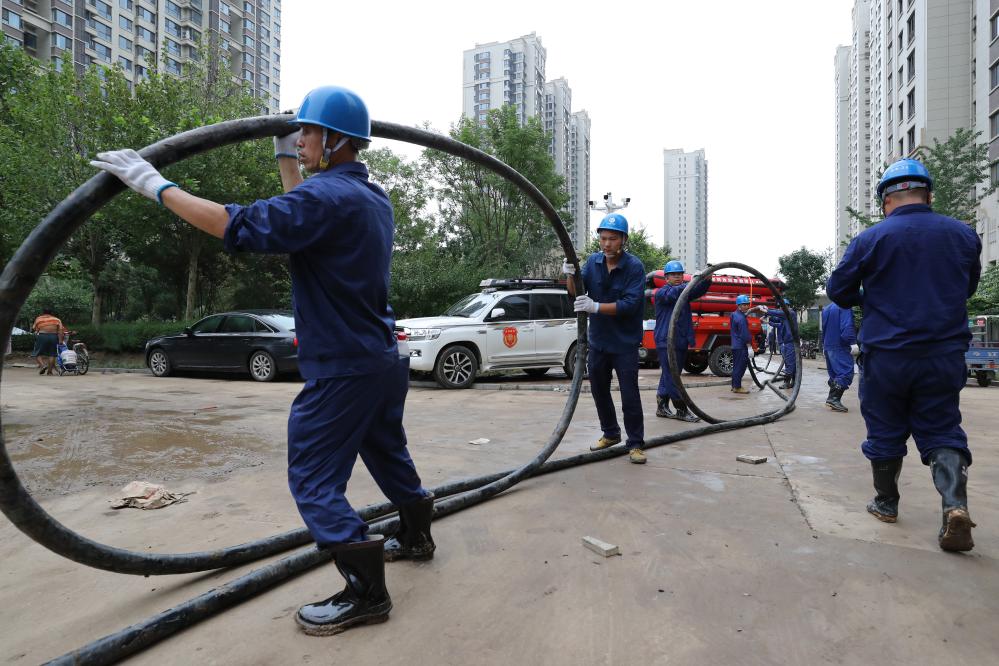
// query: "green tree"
[[986, 298], [490, 222], [804, 272]]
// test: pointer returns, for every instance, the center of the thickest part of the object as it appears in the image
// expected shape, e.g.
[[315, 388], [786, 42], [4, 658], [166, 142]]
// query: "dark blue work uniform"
[[784, 334], [917, 269], [665, 299], [739, 332], [614, 341], [838, 335], [337, 229]]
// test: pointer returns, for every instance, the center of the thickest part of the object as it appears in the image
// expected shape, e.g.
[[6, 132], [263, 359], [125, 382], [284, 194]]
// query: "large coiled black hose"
[[21, 274]]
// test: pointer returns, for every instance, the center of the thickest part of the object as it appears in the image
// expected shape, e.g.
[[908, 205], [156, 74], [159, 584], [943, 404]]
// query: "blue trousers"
[[839, 365], [740, 361], [787, 352], [331, 422], [667, 389], [625, 366], [902, 395]]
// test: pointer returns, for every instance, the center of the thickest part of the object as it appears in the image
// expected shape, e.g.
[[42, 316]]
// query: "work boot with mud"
[[605, 442], [363, 601], [683, 412], [950, 475], [833, 401], [637, 456], [740, 390], [788, 382], [884, 506], [662, 408], [413, 540]]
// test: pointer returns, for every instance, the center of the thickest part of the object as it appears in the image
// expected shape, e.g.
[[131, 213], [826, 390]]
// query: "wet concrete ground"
[[721, 562]]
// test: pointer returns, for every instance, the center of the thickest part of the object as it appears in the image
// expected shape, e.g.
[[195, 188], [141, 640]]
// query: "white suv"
[[510, 325]]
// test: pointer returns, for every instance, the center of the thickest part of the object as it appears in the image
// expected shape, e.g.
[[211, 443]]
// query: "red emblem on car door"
[[510, 336]]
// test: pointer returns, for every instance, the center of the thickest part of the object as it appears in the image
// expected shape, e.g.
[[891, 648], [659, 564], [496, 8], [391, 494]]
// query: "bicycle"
[[76, 361]]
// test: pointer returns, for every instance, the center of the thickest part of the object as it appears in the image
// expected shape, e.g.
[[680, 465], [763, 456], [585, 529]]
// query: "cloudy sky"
[[750, 82]]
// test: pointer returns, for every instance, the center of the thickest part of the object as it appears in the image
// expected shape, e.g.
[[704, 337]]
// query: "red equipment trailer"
[[712, 346]]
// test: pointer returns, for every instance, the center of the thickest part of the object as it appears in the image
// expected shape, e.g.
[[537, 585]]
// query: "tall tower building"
[[137, 34], [985, 115], [686, 206], [844, 224], [513, 73]]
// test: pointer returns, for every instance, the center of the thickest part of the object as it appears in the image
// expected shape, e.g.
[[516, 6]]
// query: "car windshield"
[[281, 321], [471, 305]]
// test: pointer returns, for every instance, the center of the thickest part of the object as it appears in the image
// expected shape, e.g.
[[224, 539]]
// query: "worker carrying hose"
[[615, 283], [337, 228], [742, 348], [839, 344], [917, 269], [784, 333], [665, 301]]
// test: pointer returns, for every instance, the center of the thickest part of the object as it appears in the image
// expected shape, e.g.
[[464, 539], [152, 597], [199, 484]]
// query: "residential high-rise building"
[[513, 73], [930, 74], [579, 178], [844, 224], [137, 34], [686, 206]]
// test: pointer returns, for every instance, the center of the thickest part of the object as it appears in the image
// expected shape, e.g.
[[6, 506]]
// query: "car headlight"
[[423, 333]]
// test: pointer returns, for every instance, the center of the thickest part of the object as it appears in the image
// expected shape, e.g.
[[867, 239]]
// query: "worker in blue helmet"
[[337, 229], [742, 346], [917, 269], [784, 328], [839, 345], [614, 282], [665, 299]]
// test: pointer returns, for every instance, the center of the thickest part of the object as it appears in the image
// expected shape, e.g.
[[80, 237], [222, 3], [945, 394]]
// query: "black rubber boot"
[[950, 475], [363, 601], [884, 506], [833, 401], [413, 540], [683, 412], [662, 408], [788, 382]]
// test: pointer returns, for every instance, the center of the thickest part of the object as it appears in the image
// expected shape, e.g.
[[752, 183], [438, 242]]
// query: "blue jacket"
[[739, 330], [625, 285], [665, 300], [337, 229], [837, 327], [917, 269], [785, 332]]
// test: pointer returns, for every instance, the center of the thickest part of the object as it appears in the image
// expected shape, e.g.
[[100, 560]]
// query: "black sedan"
[[261, 342]]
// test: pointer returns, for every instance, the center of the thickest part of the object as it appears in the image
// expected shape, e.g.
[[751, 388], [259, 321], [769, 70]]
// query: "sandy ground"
[[722, 562]]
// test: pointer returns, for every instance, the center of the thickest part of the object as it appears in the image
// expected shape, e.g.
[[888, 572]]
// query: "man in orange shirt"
[[48, 328]]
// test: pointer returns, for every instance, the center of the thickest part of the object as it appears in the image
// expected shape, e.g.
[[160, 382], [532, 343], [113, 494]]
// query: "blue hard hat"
[[614, 222], [904, 175], [787, 302], [335, 108], [673, 266], [742, 299]]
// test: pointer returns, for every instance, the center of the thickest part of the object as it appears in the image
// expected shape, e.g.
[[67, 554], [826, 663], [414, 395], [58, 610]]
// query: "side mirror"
[[188, 332], [497, 313]]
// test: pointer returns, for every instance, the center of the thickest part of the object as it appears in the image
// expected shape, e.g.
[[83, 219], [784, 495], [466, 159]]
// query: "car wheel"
[[159, 363], [536, 372], [721, 361], [456, 367], [570, 363], [983, 379], [262, 366]]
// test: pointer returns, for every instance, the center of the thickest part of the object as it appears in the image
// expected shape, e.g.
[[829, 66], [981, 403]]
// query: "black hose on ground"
[[21, 274]]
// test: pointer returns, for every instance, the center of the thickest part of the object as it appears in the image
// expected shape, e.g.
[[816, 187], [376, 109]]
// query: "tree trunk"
[[192, 276], [95, 313]]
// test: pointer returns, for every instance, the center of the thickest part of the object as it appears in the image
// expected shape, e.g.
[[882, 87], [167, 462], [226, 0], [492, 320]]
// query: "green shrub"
[[117, 337], [809, 330], [69, 299]]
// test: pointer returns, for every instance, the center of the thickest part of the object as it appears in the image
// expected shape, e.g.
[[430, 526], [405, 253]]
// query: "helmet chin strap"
[[328, 153]]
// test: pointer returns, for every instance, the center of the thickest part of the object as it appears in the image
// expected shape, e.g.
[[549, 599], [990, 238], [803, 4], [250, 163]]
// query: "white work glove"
[[752, 354], [287, 145], [649, 293], [854, 351], [134, 171], [568, 268], [585, 304]]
